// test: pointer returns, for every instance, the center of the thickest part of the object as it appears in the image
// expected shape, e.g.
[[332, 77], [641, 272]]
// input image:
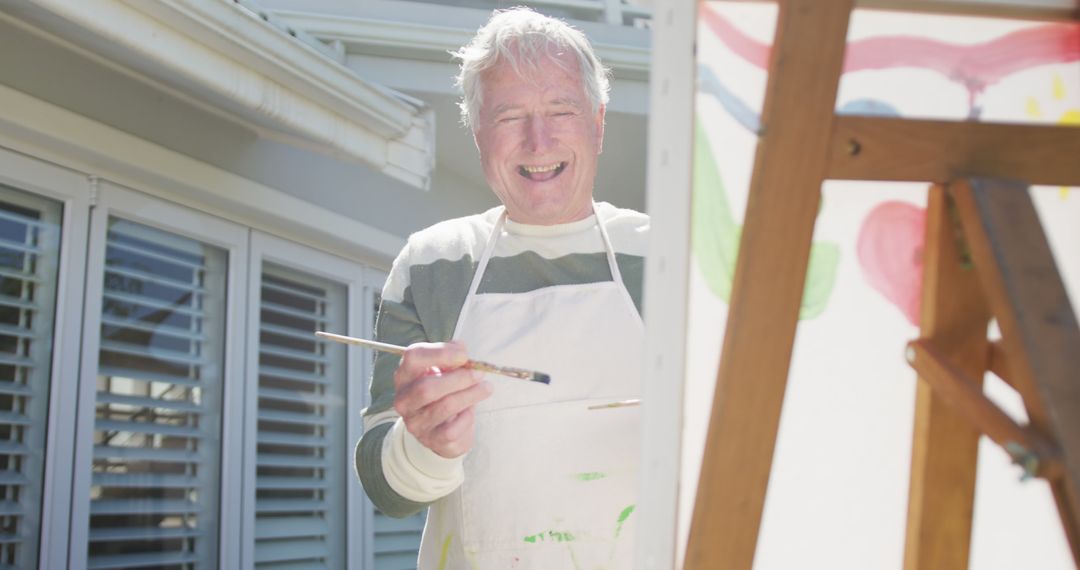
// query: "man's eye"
[[509, 119]]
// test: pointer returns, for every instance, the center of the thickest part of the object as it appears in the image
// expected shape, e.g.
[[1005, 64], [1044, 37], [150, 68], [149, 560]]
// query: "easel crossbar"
[[1035, 453], [892, 149]]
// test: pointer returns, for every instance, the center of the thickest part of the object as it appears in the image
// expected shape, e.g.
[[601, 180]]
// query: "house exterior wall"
[[91, 157], [72, 81]]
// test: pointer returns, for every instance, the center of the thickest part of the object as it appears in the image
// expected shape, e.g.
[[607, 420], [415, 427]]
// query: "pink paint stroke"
[[976, 66], [890, 251], [746, 47]]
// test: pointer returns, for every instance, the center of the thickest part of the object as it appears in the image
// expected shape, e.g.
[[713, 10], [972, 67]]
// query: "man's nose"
[[538, 136]]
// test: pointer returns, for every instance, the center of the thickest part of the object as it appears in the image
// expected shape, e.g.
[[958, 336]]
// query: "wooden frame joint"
[[962, 249], [1032, 451]]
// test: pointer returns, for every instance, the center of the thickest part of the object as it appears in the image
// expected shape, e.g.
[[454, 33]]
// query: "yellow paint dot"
[[1032, 108], [1070, 117], [1059, 88]]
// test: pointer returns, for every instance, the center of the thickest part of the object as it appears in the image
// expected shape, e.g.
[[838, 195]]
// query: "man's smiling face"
[[539, 141]]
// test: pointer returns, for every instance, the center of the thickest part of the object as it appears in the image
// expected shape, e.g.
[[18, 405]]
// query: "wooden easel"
[[804, 144], [987, 256]]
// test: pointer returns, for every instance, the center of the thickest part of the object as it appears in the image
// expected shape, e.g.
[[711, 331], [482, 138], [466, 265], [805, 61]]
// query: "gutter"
[[225, 55], [432, 41]]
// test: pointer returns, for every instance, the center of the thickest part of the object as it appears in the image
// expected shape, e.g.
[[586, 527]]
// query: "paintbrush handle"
[[473, 364], [372, 344], [619, 404]]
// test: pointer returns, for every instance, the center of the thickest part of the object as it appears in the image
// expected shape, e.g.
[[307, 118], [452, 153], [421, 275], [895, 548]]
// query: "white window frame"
[[359, 503], [71, 189], [362, 283], [114, 200]]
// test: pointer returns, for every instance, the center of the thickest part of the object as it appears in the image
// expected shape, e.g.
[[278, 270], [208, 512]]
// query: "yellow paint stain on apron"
[[445, 554]]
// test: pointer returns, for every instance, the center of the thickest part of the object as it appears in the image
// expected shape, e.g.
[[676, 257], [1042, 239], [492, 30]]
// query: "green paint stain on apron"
[[573, 558], [445, 554], [625, 514], [550, 536], [593, 476]]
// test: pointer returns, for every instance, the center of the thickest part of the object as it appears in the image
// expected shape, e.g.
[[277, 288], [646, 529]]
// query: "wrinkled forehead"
[[555, 71]]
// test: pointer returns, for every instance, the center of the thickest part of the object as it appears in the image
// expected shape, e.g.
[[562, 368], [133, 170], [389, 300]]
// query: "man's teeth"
[[539, 169]]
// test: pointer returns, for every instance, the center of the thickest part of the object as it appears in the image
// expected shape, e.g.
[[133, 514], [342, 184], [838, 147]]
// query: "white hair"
[[520, 37]]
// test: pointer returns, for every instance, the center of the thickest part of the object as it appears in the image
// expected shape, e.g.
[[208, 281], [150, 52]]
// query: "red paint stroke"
[[890, 251], [986, 63], [976, 66], [751, 50]]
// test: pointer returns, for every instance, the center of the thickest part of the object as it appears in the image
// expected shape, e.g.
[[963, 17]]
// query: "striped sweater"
[[421, 301]]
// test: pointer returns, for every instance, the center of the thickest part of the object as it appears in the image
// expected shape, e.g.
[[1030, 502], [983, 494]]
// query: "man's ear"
[[600, 129]]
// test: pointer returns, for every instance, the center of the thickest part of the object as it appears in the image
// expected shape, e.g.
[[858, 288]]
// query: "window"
[[397, 541], [209, 428], [300, 467], [154, 488], [303, 413], [44, 213], [152, 472], [29, 258]]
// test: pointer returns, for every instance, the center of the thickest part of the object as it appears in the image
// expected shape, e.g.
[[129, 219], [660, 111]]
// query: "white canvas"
[[838, 491]]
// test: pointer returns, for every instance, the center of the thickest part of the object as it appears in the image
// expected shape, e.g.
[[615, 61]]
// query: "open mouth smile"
[[542, 173]]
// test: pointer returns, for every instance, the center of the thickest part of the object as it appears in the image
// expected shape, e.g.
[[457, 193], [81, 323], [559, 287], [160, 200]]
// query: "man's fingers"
[[444, 410], [431, 417], [420, 358], [435, 396], [425, 391], [455, 436]]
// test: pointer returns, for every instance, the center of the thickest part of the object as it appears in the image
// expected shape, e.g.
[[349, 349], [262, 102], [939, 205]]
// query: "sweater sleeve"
[[399, 474]]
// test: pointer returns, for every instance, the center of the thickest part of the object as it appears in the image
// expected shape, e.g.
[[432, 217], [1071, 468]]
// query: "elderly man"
[[517, 474]]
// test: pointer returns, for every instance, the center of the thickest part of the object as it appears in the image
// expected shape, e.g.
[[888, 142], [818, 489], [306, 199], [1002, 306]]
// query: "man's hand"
[[436, 396]]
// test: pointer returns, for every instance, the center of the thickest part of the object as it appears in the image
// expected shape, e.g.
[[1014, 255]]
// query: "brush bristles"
[[519, 373]]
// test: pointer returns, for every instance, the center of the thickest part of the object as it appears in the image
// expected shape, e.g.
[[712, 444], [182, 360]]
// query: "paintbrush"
[[518, 373], [619, 404]]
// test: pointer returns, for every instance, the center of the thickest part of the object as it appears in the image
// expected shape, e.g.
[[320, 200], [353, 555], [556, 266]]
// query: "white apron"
[[549, 484]]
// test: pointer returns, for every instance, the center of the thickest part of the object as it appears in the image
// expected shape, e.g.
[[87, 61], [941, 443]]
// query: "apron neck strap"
[[489, 249], [613, 265], [486, 255]]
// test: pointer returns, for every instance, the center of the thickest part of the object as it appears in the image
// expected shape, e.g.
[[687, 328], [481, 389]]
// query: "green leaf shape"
[[715, 237]]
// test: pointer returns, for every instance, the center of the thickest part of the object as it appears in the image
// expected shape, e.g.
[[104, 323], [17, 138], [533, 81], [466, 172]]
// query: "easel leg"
[[945, 447], [1038, 326], [785, 192]]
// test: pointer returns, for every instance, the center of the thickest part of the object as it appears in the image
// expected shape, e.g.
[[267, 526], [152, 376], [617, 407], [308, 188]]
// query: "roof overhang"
[[225, 57], [429, 32]]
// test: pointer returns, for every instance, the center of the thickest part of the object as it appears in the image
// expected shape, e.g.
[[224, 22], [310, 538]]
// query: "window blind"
[[396, 541], [301, 456], [29, 252], [156, 457]]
